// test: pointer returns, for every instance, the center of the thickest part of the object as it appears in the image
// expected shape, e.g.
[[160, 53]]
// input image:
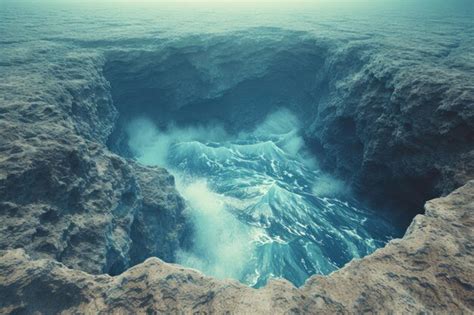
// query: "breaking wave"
[[258, 203]]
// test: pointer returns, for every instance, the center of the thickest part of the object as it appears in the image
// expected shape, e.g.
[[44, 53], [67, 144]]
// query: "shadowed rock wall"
[[66, 197], [399, 134]]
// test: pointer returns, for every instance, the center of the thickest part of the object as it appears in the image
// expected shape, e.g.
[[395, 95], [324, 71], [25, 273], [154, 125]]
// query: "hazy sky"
[[401, 7], [466, 4]]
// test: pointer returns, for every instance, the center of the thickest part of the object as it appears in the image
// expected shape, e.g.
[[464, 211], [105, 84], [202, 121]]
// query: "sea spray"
[[259, 205]]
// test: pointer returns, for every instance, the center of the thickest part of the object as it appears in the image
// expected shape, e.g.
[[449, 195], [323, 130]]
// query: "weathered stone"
[[429, 270]]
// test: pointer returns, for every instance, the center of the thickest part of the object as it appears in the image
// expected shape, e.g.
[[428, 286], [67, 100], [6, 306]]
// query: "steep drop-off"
[[429, 270], [398, 134], [64, 196], [397, 127]]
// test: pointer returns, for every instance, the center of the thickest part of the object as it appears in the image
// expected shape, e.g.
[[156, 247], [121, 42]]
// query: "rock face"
[[82, 206], [400, 135], [66, 197], [398, 131], [429, 270]]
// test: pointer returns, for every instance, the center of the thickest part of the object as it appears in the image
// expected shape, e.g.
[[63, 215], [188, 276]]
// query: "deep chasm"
[[207, 158]]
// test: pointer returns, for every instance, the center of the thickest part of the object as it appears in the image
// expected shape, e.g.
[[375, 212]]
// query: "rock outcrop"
[[63, 195], [88, 208], [399, 134], [429, 270]]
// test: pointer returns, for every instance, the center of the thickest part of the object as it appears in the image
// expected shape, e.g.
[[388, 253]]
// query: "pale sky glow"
[[267, 4], [138, 2]]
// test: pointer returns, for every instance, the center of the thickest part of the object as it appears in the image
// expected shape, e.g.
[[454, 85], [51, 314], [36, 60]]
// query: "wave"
[[260, 207]]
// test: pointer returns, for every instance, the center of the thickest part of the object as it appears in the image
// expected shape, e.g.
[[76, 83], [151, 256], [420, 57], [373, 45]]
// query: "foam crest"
[[259, 206]]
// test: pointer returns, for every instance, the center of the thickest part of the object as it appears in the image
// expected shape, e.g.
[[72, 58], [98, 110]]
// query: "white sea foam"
[[259, 205]]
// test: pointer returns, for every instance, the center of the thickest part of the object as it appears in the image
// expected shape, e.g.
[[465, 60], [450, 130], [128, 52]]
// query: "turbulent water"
[[259, 206]]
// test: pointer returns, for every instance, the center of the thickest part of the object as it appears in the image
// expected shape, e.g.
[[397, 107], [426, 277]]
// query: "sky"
[[467, 6]]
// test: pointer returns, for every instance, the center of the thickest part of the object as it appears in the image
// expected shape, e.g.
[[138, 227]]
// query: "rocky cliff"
[[65, 196], [399, 131], [429, 270], [400, 134]]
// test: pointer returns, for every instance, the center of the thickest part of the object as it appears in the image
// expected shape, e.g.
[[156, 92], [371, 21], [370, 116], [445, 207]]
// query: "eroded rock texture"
[[398, 130], [64, 196], [399, 134], [429, 270]]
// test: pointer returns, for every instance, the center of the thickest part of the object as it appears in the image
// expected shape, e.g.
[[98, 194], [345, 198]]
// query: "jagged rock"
[[83, 206], [64, 195], [429, 270], [158, 227], [398, 136]]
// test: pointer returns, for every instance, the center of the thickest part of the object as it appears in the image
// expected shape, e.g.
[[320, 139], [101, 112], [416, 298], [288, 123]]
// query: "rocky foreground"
[[430, 270]]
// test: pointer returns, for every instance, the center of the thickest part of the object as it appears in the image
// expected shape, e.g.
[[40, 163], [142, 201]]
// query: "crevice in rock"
[[195, 84], [192, 85]]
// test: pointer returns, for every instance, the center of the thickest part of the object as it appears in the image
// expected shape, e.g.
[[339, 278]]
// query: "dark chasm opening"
[[273, 176]]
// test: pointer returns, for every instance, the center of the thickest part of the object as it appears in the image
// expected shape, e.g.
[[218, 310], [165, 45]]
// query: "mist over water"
[[259, 206]]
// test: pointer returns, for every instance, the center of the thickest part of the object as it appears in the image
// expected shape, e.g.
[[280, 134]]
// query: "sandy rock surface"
[[430, 270]]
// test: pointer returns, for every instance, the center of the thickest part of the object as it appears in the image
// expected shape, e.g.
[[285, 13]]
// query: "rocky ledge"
[[431, 269]]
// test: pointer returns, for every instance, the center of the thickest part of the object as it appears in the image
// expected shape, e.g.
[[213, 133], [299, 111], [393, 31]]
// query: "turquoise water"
[[259, 206]]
